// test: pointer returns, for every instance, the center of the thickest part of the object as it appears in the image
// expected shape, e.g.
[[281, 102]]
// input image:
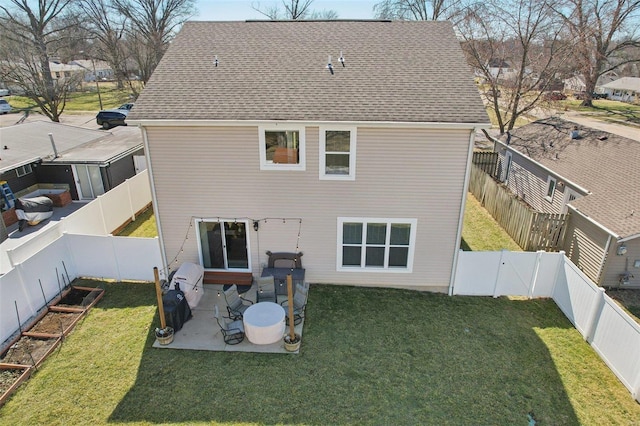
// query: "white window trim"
[[26, 169], [301, 166], [386, 269], [222, 220], [547, 197], [352, 152]]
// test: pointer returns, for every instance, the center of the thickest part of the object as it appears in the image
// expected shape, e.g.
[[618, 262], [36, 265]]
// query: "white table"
[[264, 323]]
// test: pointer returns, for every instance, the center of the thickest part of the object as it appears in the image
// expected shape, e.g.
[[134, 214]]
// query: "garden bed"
[[29, 350], [12, 376], [54, 324]]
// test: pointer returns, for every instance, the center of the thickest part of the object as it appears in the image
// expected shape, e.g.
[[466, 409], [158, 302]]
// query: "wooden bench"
[[228, 278]]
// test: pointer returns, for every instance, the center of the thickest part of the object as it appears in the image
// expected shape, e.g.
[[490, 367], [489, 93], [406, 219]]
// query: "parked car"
[[582, 95], [109, 118], [5, 92], [4, 106], [554, 96]]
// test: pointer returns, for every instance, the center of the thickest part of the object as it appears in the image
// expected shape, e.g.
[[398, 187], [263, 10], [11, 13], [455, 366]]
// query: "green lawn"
[[143, 226], [481, 232], [79, 101], [363, 360], [607, 110]]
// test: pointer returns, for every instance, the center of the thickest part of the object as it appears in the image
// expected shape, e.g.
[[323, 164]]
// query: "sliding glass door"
[[224, 244]]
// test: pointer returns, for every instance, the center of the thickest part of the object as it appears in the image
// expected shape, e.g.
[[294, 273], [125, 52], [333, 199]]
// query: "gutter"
[[206, 123], [154, 199], [463, 204], [548, 170]]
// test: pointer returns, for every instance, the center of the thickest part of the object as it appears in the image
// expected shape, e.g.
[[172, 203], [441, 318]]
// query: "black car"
[[109, 118]]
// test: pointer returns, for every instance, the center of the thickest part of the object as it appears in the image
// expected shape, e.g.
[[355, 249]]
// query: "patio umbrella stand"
[[291, 339]]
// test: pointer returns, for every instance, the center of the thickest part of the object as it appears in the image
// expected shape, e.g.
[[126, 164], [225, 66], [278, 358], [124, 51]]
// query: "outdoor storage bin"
[[188, 278], [176, 309]]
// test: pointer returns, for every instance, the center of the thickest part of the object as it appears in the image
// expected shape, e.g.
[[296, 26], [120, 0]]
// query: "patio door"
[[88, 181], [224, 244]]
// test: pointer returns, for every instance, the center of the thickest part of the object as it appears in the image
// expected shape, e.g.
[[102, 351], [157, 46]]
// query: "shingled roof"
[[603, 163], [277, 70]]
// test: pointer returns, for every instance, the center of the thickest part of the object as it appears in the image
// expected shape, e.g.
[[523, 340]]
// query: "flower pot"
[[164, 335], [292, 345]]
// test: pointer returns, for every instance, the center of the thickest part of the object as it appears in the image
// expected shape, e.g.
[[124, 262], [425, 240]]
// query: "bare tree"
[[32, 33], [516, 48], [107, 28], [294, 10], [152, 24], [603, 30], [417, 10]]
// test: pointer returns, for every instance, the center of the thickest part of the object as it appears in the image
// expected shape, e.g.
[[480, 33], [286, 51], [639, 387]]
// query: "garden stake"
[[43, 296], [65, 271], [58, 278], [292, 334], [18, 315], [163, 324]]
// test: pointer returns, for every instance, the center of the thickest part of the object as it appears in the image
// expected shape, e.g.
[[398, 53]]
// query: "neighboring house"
[[595, 178], [499, 69], [625, 89], [70, 74], [94, 69], [86, 162], [577, 84], [361, 164]]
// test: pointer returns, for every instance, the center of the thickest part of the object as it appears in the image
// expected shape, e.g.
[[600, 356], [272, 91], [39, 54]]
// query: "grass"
[[607, 110], [144, 226], [80, 101], [438, 360], [520, 121], [481, 232]]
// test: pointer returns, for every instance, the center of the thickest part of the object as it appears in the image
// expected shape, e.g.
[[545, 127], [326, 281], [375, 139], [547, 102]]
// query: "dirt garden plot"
[[42, 337]]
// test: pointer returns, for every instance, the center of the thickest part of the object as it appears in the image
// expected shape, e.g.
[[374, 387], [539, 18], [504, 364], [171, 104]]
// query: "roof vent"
[[329, 66], [215, 61], [341, 59], [574, 133]]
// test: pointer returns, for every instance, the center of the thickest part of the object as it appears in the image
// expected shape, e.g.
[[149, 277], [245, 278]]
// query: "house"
[[576, 83], [47, 155], [94, 69], [557, 166], [625, 89], [340, 139]]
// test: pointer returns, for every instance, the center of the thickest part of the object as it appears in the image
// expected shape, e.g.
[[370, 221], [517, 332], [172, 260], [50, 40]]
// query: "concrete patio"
[[202, 333]]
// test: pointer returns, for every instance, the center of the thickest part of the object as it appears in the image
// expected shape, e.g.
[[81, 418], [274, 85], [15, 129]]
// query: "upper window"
[[376, 244], [282, 148], [338, 153], [551, 188], [24, 170]]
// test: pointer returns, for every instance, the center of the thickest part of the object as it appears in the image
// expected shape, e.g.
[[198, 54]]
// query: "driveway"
[[630, 132]]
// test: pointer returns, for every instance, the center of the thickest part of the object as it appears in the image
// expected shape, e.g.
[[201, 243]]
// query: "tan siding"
[[617, 265], [400, 173], [585, 245]]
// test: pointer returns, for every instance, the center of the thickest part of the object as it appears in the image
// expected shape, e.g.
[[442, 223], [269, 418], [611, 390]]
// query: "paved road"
[[617, 129]]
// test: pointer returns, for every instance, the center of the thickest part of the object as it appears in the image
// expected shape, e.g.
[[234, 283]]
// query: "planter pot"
[[164, 335], [292, 345]]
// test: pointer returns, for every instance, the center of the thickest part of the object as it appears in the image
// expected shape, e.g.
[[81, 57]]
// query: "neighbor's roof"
[[624, 83], [29, 142], [603, 163], [277, 70]]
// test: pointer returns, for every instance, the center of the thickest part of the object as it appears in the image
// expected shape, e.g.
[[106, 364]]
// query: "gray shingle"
[[604, 163], [395, 71]]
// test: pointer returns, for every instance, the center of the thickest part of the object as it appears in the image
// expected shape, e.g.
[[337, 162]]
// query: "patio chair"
[[232, 333], [235, 303], [299, 303], [267, 290]]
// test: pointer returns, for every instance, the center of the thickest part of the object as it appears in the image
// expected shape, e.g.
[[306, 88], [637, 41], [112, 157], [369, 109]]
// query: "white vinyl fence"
[[78, 246], [613, 334]]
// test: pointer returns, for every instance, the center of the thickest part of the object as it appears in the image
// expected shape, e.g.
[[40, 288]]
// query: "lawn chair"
[[235, 303], [232, 333], [267, 290], [299, 303]]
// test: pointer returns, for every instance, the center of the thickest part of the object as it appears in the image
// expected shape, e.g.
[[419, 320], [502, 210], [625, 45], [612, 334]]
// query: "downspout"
[[154, 199], [463, 205]]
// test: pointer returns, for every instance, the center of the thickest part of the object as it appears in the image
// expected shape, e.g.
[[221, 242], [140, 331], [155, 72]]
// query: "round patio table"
[[264, 323]]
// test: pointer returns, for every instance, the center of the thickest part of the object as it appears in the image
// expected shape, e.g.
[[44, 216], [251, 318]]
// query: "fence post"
[[534, 276], [594, 317], [561, 262], [133, 213], [104, 221], [116, 263]]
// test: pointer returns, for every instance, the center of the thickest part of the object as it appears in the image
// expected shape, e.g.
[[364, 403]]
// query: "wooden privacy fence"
[[487, 161], [530, 229]]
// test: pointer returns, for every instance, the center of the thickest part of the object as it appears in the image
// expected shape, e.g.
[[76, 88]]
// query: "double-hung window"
[[376, 244], [337, 153], [282, 147], [551, 189]]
